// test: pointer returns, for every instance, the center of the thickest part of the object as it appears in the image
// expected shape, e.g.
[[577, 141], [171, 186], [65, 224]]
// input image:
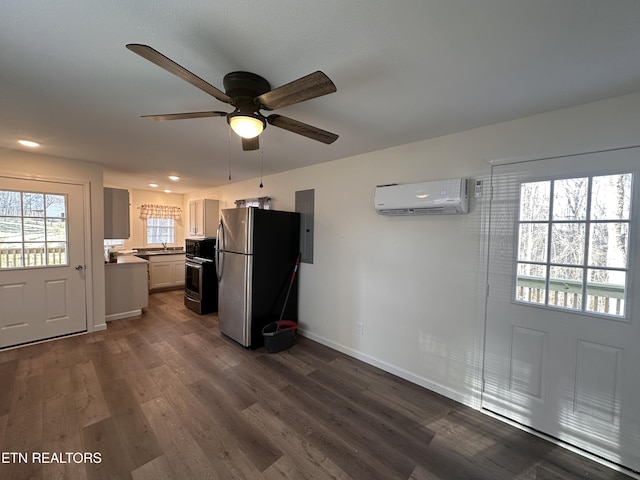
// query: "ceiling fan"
[[249, 93]]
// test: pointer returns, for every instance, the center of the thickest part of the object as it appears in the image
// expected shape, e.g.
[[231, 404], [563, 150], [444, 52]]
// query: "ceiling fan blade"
[[300, 128], [311, 86], [169, 65], [251, 143], [181, 116]]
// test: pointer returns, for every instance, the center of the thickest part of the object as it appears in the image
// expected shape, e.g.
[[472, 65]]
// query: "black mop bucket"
[[280, 335]]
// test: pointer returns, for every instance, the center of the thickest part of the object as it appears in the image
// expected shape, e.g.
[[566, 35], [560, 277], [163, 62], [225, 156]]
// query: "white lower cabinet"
[[166, 271]]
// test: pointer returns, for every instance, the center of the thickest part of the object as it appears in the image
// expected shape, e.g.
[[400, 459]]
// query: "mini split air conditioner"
[[437, 197]]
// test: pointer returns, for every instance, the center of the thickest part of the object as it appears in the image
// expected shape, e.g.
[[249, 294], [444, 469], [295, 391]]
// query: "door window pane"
[[10, 229], [606, 291], [56, 229], [570, 199], [10, 204], [55, 206], [33, 229], [11, 255], [611, 198], [559, 281], [565, 285], [531, 283], [56, 253], [33, 204], [567, 243], [608, 244], [532, 244], [534, 201], [35, 254]]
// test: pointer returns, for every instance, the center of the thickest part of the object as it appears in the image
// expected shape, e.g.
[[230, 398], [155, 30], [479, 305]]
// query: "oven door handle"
[[195, 265]]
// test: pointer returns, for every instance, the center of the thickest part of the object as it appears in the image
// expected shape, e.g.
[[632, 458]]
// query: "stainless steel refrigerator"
[[256, 253]]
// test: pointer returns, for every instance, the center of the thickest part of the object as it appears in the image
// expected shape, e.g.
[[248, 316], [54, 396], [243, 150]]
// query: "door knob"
[[79, 267]]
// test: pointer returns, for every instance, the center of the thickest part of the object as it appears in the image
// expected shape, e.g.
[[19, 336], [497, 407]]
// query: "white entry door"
[[42, 260], [562, 339]]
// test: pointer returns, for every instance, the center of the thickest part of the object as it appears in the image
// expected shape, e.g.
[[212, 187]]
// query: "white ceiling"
[[404, 71]]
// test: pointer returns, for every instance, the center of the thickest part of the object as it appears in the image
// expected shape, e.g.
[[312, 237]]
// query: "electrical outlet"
[[359, 328]]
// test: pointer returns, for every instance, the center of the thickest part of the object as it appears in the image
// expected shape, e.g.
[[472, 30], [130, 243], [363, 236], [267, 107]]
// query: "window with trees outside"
[[573, 243], [33, 229]]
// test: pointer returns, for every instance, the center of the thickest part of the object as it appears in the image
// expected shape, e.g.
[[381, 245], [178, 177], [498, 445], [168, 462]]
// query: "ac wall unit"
[[437, 197]]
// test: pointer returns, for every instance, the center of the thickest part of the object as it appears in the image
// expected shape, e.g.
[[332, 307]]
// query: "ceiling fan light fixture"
[[248, 93], [246, 126]]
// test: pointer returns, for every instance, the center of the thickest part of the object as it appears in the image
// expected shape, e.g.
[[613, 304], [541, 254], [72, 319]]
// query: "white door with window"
[[562, 339], [42, 260]]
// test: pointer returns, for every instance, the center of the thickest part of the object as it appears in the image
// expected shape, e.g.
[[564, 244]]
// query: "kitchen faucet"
[[164, 245]]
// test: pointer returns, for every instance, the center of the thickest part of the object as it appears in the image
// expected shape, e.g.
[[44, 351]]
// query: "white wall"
[[45, 167], [416, 282]]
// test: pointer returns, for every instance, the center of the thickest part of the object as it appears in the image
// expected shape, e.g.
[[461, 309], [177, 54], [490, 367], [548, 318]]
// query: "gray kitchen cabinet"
[[204, 215], [116, 213]]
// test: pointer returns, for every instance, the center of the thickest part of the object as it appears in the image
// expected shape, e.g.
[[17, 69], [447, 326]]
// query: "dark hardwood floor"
[[165, 396]]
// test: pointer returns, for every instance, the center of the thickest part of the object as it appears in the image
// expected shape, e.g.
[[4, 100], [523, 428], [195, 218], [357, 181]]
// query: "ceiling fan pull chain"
[[261, 162], [229, 152]]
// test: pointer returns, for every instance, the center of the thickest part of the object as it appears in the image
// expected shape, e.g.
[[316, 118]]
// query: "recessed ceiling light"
[[153, 185], [166, 190], [28, 143], [175, 178]]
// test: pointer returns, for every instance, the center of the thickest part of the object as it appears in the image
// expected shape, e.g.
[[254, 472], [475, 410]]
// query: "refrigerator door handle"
[[219, 264], [219, 257], [220, 237]]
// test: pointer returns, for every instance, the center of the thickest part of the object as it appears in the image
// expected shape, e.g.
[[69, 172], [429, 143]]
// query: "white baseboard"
[[399, 372], [118, 316]]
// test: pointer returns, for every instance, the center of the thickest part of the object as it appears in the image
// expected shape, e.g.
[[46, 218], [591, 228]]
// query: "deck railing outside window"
[[604, 298], [32, 257]]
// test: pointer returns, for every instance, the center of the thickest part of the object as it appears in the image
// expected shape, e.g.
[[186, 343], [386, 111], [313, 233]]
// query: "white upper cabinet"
[[204, 215]]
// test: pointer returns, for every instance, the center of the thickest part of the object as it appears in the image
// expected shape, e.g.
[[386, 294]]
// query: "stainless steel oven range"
[[201, 282]]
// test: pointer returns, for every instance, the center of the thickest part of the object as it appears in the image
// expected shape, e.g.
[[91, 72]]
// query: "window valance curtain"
[[160, 211], [260, 202]]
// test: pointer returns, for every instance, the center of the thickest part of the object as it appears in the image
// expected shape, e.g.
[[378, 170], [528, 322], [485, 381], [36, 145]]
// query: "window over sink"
[[159, 227], [160, 231]]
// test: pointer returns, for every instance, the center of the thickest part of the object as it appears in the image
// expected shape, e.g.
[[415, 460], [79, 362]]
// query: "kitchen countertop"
[[127, 259], [146, 253]]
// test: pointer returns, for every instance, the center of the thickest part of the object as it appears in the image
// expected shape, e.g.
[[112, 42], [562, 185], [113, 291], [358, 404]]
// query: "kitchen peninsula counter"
[[126, 287]]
